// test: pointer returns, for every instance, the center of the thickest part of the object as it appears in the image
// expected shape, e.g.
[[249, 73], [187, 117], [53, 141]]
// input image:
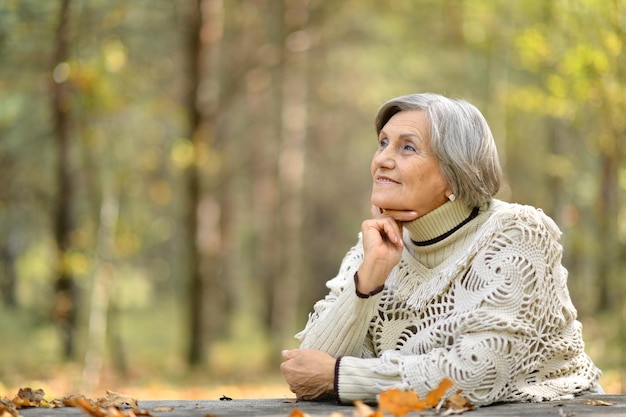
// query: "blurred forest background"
[[179, 178]]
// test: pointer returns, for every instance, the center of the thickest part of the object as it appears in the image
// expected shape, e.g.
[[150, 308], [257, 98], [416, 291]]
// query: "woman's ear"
[[449, 194]]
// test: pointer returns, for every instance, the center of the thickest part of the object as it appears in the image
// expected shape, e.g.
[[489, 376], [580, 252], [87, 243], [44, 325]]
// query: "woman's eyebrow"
[[411, 135], [406, 135]]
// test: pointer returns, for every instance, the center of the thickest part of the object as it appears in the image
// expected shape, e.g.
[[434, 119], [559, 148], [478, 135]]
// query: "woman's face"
[[405, 172]]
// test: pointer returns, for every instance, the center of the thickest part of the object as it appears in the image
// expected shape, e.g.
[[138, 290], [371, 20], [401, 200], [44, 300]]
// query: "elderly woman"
[[445, 280]]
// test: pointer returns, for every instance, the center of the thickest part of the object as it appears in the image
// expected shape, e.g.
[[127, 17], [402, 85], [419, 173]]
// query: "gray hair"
[[460, 139]]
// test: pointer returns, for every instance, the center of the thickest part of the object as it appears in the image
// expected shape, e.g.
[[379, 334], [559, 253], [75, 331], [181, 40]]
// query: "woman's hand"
[[382, 245], [310, 373]]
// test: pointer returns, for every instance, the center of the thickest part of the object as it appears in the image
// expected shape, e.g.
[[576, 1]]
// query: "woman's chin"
[[387, 206]]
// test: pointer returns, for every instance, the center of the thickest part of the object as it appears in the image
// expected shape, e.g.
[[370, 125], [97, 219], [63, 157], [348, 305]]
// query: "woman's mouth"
[[385, 180]]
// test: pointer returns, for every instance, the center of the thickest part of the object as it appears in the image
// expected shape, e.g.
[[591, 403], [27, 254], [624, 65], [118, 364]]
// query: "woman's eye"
[[409, 147], [382, 143]]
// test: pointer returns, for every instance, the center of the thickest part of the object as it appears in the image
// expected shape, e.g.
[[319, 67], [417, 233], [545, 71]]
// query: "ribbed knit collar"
[[438, 222]]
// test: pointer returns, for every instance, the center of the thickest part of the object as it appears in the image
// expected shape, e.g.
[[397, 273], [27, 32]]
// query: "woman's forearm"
[[339, 326]]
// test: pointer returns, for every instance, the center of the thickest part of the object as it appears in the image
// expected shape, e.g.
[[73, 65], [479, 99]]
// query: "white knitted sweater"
[[487, 306]]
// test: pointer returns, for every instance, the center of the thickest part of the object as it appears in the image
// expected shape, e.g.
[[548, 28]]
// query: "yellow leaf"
[[399, 403], [364, 410], [435, 395]]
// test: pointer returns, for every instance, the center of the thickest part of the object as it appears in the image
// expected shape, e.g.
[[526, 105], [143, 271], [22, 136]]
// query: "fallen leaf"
[[26, 397], [7, 409], [458, 402], [70, 400], [162, 409], [364, 410], [451, 411], [400, 403], [141, 412], [435, 395], [117, 400], [296, 412], [56, 403], [89, 408], [592, 401]]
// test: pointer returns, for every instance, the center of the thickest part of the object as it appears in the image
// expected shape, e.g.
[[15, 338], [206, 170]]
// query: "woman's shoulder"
[[505, 214]]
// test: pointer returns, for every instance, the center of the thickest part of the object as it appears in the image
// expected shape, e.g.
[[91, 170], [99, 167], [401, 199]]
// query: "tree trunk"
[[294, 120], [8, 277], [203, 210], [608, 250], [103, 276], [65, 288]]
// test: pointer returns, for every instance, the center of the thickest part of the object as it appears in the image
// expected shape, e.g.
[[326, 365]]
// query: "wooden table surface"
[[282, 407]]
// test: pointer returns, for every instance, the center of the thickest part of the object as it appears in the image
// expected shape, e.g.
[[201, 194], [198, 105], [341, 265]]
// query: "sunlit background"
[[179, 178]]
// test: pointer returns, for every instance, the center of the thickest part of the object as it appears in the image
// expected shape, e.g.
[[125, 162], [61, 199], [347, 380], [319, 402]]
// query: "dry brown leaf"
[[7, 410], [163, 409], [26, 397], [109, 406], [95, 410], [33, 396], [70, 400], [88, 407], [115, 399], [458, 402], [56, 403], [593, 401], [113, 411], [141, 412]]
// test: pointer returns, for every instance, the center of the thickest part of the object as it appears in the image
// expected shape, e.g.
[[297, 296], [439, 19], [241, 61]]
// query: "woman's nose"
[[385, 158]]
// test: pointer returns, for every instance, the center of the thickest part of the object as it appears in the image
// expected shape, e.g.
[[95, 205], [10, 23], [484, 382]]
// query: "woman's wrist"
[[336, 379], [361, 293], [371, 275]]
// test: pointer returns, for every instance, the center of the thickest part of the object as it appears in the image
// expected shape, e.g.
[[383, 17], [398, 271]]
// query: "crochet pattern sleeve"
[[339, 323]]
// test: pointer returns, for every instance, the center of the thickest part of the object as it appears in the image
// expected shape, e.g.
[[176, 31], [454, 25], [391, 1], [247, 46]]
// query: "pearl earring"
[[451, 197]]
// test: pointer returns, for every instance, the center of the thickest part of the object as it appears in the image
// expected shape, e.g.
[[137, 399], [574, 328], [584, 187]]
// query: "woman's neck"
[[439, 223]]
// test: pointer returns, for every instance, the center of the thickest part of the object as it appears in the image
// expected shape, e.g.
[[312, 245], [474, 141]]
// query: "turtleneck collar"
[[442, 220]]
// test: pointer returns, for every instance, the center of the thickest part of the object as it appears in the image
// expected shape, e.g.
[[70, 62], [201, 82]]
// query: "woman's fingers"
[[382, 246], [398, 215], [309, 373], [382, 230]]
